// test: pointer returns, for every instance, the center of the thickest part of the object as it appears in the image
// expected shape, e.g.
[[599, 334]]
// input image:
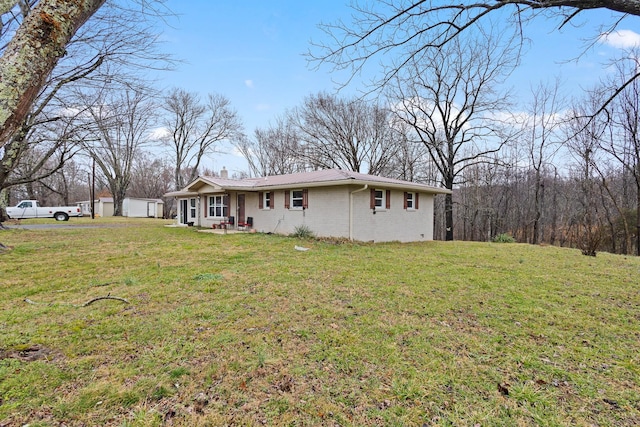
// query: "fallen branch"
[[103, 284], [91, 301]]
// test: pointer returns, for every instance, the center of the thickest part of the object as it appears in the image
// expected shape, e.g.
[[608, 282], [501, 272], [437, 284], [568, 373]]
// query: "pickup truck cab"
[[30, 209]]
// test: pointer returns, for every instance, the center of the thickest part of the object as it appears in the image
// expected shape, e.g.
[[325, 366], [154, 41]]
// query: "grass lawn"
[[242, 329]]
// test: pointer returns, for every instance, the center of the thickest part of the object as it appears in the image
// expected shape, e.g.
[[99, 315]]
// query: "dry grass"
[[244, 330]]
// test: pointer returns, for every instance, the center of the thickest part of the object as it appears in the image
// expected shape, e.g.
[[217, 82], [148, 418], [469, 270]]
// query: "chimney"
[[224, 173]]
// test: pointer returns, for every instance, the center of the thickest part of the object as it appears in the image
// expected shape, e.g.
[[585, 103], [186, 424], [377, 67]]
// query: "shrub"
[[504, 238], [303, 232]]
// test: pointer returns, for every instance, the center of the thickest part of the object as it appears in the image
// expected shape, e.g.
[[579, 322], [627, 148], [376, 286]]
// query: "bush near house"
[[241, 329]]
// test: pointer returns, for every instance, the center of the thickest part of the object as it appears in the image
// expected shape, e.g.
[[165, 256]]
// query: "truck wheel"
[[61, 216]]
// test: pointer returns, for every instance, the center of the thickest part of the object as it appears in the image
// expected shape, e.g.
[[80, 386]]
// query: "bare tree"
[[38, 154], [121, 127], [625, 119], [410, 162], [195, 128], [448, 98], [32, 54], [110, 48], [543, 142], [405, 29], [273, 150], [350, 134], [151, 177]]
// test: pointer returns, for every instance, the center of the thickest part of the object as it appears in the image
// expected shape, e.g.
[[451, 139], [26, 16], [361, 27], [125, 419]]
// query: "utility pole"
[[93, 189]]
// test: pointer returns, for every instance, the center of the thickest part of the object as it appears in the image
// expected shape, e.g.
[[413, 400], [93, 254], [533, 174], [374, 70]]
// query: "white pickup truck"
[[30, 209]]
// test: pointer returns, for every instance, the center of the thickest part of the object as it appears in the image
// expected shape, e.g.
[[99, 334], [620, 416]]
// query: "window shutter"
[[305, 198], [206, 206], [272, 200], [286, 199], [260, 200], [416, 201], [388, 199], [372, 199], [406, 196]]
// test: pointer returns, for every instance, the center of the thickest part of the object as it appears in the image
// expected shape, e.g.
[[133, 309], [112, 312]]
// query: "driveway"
[[27, 226]]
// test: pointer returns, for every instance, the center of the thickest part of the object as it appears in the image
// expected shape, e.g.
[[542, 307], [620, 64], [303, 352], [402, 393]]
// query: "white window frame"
[[382, 199], [193, 209], [266, 200], [293, 199], [215, 205], [411, 201]]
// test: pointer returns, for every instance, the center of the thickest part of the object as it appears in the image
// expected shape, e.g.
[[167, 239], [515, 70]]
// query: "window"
[[296, 199], [25, 205], [192, 204], [379, 199], [410, 201], [218, 206], [265, 200]]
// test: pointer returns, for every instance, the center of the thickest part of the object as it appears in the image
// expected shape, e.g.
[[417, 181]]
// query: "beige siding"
[[395, 223], [327, 214]]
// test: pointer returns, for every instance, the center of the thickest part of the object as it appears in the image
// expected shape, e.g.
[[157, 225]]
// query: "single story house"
[[132, 207], [331, 203]]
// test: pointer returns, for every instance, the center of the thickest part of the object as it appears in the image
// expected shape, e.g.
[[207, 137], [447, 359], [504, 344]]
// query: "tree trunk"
[[4, 202], [638, 219], [448, 216], [32, 54]]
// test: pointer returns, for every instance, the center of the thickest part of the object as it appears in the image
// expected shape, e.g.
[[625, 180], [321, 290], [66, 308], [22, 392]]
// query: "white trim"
[[266, 195], [383, 200], [301, 199], [412, 200]]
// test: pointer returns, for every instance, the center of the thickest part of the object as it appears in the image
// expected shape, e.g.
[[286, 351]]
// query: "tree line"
[[558, 171]]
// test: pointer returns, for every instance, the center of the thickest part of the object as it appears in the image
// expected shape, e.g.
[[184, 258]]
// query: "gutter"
[[351, 209]]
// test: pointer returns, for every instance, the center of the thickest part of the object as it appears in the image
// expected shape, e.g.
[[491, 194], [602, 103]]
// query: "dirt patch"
[[29, 353]]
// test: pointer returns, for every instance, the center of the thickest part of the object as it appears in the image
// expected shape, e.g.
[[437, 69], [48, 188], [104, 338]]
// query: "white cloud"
[[249, 84], [621, 39], [158, 134]]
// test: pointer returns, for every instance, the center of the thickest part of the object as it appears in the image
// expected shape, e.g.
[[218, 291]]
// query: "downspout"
[[198, 213], [351, 209]]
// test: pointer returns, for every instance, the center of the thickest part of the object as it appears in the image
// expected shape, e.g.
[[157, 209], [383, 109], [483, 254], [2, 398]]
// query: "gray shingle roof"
[[319, 178]]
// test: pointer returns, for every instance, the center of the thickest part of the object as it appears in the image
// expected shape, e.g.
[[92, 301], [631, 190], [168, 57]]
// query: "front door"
[[240, 209], [184, 209]]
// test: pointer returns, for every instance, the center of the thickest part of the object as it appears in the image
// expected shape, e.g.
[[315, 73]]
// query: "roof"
[[319, 178], [145, 199], [99, 199]]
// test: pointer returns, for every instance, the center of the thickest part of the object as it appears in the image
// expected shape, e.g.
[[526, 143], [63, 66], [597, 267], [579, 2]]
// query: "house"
[[331, 203], [131, 207]]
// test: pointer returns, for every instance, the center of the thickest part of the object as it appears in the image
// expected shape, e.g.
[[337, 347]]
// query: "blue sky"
[[252, 52]]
